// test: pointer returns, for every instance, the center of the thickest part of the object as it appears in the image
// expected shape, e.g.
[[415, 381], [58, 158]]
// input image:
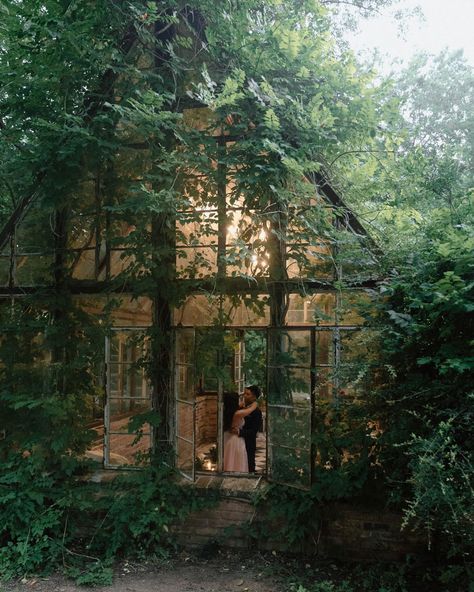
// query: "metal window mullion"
[[185, 402], [312, 428], [220, 426], [337, 362], [267, 367], [128, 434], [290, 447], [106, 454], [279, 406], [13, 263], [128, 398], [189, 441]]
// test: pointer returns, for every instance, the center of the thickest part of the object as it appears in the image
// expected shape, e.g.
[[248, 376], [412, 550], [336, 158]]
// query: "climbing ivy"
[[97, 135]]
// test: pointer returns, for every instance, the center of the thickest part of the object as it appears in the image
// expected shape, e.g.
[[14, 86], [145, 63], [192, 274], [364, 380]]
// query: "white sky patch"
[[446, 24]]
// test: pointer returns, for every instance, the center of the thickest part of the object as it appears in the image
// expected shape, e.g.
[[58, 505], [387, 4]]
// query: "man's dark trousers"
[[252, 425]]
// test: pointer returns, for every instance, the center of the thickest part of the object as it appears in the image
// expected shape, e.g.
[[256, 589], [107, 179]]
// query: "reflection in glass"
[[324, 348], [311, 309], [289, 407]]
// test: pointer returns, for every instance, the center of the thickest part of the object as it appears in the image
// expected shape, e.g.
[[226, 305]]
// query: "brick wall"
[[223, 524], [206, 420], [344, 532], [367, 534]]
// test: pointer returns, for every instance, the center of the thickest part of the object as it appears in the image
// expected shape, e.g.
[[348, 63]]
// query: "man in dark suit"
[[252, 425]]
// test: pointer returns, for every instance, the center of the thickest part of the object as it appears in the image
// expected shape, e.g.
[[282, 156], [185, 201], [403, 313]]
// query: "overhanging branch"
[[93, 103]]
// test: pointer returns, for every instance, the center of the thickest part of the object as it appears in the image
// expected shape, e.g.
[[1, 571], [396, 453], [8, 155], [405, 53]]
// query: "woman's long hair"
[[231, 405]]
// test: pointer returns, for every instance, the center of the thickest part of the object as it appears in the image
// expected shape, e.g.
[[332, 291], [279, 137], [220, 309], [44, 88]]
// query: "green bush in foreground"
[[51, 522]]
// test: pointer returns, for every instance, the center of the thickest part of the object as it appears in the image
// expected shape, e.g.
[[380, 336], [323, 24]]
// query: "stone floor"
[[206, 453], [123, 453]]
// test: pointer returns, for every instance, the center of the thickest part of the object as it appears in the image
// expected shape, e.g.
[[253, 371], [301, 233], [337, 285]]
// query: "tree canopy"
[[96, 137]]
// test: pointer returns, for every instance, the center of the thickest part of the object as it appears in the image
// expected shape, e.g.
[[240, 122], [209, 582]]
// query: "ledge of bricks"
[[344, 531], [232, 487]]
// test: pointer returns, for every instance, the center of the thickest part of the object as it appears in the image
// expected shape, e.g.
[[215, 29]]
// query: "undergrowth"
[[319, 575], [49, 521]]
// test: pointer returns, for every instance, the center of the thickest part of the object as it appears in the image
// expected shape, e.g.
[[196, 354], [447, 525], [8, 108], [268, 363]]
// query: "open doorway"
[[211, 364]]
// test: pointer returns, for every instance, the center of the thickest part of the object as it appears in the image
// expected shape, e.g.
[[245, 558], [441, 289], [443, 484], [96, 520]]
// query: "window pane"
[[310, 262], [32, 270], [352, 304], [359, 353], [184, 456], [289, 443], [206, 431], [124, 449], [185, 346], [215, 359], [325, 348], [184, 441], [185, 389], [289, 348], [122, 411], [324, 384], [199, 311], [196, 262], [126, 380], [184, 421], [316, 309], [184, 351], [289, 424]]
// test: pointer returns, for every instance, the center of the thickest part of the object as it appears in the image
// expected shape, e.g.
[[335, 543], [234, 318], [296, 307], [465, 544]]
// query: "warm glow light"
[[263, 235], [232, 230], [208, 211]]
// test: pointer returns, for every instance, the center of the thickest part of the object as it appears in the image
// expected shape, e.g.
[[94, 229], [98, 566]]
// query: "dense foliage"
[[51, 519], [92, 129], [424, 398]]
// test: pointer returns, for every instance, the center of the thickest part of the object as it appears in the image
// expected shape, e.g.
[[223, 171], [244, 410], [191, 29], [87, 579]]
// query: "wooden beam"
[[349, 219], [196, 287]]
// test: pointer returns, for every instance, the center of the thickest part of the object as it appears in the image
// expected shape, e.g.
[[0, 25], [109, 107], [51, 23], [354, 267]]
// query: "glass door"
[[218, 371], [225, 360], [213, 365], [290, 403], [185, 402]]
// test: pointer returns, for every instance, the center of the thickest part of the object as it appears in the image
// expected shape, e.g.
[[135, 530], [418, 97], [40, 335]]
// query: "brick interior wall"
[[206, 420]]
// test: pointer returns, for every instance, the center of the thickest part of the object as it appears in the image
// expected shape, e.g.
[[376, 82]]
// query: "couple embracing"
[[241, 425]]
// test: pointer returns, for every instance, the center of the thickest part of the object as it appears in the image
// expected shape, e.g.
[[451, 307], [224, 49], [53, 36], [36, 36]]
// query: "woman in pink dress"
[[235, 453]]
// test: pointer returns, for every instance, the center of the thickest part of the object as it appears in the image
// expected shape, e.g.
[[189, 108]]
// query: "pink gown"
[[235, 453]]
